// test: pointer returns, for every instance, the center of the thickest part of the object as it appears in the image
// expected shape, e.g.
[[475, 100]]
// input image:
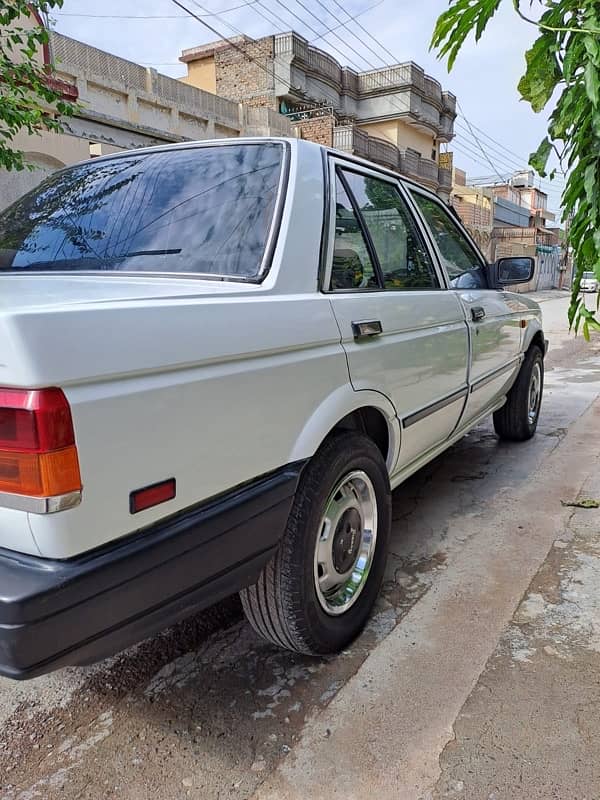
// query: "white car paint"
[[216, 383], [589, 282]]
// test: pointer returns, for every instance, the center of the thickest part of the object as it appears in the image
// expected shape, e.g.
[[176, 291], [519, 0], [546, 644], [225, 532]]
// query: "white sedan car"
[[217, 360]]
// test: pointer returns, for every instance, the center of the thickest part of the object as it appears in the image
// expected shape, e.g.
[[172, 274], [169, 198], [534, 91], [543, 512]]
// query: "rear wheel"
[[518, 418], [316, 593]]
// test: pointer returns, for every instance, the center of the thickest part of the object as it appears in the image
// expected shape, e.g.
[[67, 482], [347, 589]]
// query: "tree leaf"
[[539, 158], [592, 82], [542, 73], [27, 100]]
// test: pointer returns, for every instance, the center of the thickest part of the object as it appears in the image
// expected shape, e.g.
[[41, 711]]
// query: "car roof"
[[298, 143]]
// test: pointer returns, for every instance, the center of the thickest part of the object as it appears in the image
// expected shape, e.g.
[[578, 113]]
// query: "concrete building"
[[123, 105], [509, 219], [397, 116]]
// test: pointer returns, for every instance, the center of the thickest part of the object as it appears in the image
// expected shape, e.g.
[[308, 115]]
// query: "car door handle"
[[366, 328], [477, 313]]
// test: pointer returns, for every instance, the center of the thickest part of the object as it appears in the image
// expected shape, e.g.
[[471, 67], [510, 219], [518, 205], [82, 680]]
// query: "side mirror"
[[508, 271]]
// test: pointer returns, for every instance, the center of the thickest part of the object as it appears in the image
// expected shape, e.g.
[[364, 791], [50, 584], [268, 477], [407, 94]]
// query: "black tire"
[[515, 421], [283, 606]]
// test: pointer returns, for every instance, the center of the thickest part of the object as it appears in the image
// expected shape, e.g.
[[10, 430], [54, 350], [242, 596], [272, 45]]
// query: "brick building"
[[397, 116], [510, 219]]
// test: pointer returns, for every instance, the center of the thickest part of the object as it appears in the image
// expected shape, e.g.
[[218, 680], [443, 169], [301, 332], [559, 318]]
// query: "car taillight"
[[38, 456]]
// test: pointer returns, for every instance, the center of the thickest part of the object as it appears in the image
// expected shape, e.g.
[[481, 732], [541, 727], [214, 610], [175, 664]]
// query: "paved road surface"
[[208, 711]]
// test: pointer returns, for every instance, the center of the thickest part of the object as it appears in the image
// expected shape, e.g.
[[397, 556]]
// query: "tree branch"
[[544, 27]]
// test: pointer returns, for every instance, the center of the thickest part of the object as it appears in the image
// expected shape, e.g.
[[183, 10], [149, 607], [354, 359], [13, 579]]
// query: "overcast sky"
[[484, 78]]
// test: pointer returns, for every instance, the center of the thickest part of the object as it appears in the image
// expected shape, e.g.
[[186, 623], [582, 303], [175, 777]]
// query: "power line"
[[495, 141], [345, 25], [512, 167], [471, 128], [346, 59], [474, 137], [146, 17], [315, 31], [362, 27], [515, 166], [61, 14], [230, 42], [487, 158], [264, 16]]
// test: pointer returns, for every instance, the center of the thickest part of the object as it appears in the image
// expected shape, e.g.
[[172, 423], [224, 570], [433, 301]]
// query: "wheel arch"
[[534, 335], [346, 409]]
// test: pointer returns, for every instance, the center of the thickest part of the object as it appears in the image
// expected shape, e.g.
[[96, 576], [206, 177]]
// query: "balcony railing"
[[433, 88], [397, 76], [449, 102], [352, 139], [388, 78], [311, 57]]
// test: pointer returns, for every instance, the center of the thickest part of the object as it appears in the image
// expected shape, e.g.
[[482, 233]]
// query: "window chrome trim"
[[417, 416], [40, 505]]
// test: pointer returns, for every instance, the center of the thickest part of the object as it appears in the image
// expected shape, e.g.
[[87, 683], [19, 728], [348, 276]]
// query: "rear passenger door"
[[403, 332], [494, 322]]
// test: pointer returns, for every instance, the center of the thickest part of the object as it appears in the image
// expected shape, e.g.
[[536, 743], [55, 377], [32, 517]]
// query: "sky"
[[493, 124]]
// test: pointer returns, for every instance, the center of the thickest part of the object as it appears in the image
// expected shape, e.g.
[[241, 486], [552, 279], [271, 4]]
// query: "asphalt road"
[[207, 710]]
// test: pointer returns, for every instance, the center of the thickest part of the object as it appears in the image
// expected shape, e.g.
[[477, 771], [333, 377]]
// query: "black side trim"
[[480, 382], [57, 613], [437, 406]]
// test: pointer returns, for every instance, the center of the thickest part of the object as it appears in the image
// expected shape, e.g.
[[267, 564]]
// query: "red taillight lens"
[[35, 421], [38, 456]]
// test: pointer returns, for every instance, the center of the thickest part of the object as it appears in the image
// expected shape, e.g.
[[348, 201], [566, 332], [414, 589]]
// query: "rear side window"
[[403, 258], [204, 210], [352, 266]]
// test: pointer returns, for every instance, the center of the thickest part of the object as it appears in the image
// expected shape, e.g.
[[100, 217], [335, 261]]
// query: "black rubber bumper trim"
[[58, 613]]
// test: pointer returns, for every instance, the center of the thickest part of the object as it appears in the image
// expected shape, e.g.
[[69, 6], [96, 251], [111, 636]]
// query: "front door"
[[492, 317], [403, 332]]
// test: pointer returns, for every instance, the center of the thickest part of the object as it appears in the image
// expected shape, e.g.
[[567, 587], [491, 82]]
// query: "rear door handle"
[[366, 328], [477, 313]]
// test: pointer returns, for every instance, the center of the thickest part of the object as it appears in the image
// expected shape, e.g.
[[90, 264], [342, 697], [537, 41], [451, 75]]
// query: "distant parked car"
[[216, 362], [589, 282]]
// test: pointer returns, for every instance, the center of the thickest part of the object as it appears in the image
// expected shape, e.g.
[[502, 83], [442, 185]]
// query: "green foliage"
[[563, 63], [455, 24], [27, 102]]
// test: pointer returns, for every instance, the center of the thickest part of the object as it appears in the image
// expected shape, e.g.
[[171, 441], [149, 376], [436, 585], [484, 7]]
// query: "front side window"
[[461, 261], [403, 258], [204, 210]]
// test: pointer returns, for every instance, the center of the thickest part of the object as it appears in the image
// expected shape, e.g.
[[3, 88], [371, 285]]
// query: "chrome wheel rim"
[[535, 393], [345, 545]]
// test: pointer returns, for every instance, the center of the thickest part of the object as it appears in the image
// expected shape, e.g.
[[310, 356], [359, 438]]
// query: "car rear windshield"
[[203, 210], [590, 276]]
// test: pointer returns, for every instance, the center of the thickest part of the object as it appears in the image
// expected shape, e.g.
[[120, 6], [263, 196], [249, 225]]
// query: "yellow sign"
[[446, 160]]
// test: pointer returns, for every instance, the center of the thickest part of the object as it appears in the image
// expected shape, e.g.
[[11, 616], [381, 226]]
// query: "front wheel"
[[316, 593], [518, 418]]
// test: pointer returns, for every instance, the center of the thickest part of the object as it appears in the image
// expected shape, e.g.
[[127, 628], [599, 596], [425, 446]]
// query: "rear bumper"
[[58, 613]]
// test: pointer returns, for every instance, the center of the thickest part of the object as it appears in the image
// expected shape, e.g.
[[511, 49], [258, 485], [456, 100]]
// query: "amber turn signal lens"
[[40, 474]]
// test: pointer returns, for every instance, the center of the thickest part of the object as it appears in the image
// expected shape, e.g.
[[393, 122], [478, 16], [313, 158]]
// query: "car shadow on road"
[[210, 692]]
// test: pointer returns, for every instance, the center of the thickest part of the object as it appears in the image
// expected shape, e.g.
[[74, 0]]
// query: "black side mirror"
[[508, 271]]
